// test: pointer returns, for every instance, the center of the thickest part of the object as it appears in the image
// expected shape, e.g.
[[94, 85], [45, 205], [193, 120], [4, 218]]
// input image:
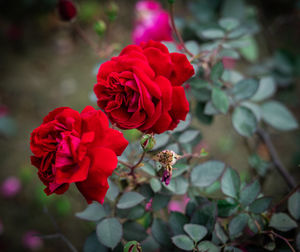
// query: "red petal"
[[182, 69], [103, 162], [180, 106]]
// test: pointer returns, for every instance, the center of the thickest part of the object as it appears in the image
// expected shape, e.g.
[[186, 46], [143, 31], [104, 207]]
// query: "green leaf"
[[226, 208], [220, 100], [160, 232], [249, 193], [294, 205], [232, 249], [188, 136], [155, 185], [134, 212], [178, 185], [183, 242], [161, 140], [212, 33], [207, 246], [237, 224], [206, 216], [210, 109], [229, 53], [207, 173], [134, 231], [113, 191], [217, 71], [250, 52], [278, 116], [150, 245], [93, 212], [266, 89], [109, 232], [244, 89], [176, 222], [244, 121], [228, 23], [282, 222], [130, 199], [260, 205], [92, 244], [234, 8], [160, 201], [230, 183], [255, 109], [220, 233], [182, 125], [179, 168], [149, 169], [196, 232]]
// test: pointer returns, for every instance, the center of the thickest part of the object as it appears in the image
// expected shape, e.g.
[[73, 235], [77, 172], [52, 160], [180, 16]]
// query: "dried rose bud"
[[166, 157], [132, 246], [67, 10], [148, 142]]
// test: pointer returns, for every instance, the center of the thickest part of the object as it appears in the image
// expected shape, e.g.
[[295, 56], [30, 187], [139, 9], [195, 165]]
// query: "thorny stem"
[[137, 164], [58, 234], [281, 237], [265, 137], [178, 35]]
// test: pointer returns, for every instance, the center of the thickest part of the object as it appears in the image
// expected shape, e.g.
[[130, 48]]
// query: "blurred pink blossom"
[[178, 205], [152, 22], [31, 241], [10, 187], [148, 206], [3, 111]]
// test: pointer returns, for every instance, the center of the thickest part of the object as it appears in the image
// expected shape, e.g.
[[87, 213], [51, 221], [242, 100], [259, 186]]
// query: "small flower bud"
[[67, 10], [100, 27], [148, 142], [112, 11], [148, 206], [132, 246]]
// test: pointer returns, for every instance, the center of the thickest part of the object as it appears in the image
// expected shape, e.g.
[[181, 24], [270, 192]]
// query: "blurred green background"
[[45, 64]]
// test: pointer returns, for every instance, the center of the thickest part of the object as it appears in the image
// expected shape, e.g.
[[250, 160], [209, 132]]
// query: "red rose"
[[141, 88], [71, 147]]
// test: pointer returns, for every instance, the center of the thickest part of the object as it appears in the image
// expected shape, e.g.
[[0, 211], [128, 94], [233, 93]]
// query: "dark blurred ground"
[[45, 64]]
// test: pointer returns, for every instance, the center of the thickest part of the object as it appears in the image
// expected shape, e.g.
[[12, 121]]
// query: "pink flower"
[[178, 205], [152, 23], [31, 241], [148, 206], [10, 187]]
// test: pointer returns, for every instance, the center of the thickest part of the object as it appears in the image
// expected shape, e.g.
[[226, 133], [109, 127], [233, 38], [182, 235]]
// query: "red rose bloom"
[[141, 88], [67, 10], [76, 147]]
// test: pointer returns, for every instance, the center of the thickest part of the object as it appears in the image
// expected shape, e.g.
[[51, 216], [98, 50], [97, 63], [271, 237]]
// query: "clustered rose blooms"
[[141, 88], [152, 22], [72, 147]]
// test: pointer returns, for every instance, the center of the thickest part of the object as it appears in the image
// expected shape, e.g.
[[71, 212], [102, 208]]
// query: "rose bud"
[[112, 11], [67, 10], [148, 206], [31, 241], [148, 142], [100, 27], [132, 246], [10, 187]]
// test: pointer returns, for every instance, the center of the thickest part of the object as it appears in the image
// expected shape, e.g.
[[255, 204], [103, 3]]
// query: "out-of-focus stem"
[[265, 137], [178, 35]]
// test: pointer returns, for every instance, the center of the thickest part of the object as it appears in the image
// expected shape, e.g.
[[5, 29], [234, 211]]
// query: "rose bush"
[[141, 88], [72, 147]]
